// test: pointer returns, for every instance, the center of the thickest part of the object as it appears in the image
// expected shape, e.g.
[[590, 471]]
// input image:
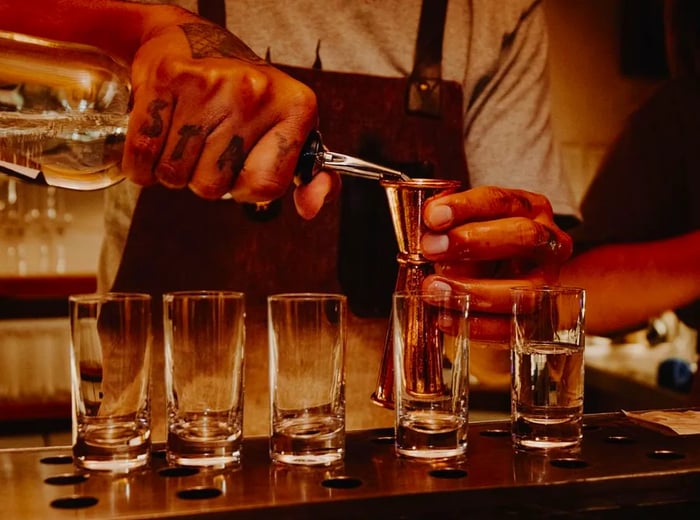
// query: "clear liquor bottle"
[[63, 112]]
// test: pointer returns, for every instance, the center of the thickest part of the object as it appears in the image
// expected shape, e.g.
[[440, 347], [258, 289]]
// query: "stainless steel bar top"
[[622, 468]]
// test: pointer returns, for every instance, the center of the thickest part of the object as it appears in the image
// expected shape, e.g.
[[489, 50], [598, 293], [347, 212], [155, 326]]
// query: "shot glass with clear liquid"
[[307, 336], [547, 342], [431, 371]]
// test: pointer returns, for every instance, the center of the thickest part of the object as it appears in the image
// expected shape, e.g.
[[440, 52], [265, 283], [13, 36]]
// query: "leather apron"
[[178, 241]]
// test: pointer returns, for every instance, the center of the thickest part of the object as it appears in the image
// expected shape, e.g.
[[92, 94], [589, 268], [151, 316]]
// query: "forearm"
[[116, 27], [627, 284]]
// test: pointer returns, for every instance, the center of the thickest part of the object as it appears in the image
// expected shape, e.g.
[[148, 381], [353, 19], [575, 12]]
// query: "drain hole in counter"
[[568, 463], [448, 473], [342, 483], [158, 454], [74, 502], [58, 459], [495, 433], [65, 480], [385, 439], [665, 455], [199, 493], [178, 472], [620, 439]]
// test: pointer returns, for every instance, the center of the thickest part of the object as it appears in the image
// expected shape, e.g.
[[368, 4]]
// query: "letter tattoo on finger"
[[186, 133], [155, 127], [232, 157]]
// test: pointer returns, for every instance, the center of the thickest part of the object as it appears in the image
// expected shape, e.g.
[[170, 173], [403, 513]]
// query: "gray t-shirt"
[[496, 50]]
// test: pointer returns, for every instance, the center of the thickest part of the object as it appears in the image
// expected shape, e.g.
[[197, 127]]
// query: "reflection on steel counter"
[[622, 468]]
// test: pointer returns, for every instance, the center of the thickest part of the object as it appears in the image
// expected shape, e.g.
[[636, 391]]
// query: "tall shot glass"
[[307, 336], [110, 369], [547, 342], [431, 371], [204, 335]]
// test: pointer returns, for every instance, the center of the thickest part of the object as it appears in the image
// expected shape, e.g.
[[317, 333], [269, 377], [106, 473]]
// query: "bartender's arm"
[[627, 284], [207, 112]]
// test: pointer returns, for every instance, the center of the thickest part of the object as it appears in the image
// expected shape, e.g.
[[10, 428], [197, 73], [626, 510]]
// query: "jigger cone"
[[406, 200]]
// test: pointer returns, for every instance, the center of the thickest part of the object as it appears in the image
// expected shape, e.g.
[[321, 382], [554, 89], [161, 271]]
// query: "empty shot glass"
[[431, 374], [307, 335], [547, 344], [204, 334], [110, 369]]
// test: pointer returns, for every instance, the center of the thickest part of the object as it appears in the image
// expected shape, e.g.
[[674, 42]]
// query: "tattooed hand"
[[209, 114]]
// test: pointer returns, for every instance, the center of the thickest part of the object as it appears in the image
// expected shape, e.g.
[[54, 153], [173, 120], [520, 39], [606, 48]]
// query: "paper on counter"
[[682, 422]]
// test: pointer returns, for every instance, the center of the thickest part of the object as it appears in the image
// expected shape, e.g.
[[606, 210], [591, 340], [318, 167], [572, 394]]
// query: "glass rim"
[[109, 296], [306, 296], [551, 289], [203, 293], [431, 292], [425, 182]]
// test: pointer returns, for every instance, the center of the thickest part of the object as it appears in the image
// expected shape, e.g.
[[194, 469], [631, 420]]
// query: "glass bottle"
[[63, 112]]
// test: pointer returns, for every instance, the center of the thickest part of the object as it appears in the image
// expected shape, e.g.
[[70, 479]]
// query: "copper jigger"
[[406, 200]]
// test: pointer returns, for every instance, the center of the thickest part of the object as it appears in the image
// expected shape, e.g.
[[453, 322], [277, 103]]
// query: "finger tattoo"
[[232, 156], [212, 41], [186, 132], [155, 127]]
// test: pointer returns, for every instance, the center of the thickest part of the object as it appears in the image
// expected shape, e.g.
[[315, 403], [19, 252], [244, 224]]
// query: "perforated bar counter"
[[621, 468]]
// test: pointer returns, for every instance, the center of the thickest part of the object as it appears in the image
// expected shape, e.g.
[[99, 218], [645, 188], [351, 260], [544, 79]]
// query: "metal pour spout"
[[315, 157]]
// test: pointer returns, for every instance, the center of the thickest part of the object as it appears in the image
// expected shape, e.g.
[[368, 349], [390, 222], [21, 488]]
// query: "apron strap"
[[423, 93], [213, 10]]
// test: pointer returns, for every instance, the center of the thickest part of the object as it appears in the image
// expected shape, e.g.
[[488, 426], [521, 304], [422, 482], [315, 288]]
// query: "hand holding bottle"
[[206, 113], [210, 114]]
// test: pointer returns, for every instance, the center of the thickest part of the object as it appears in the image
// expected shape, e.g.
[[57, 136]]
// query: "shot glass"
[[307, 335], [204, 334], [547, 343], [431, 374], [110, 368]]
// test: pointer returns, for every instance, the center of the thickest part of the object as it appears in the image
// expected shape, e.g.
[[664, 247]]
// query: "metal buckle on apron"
[[423, 96]]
